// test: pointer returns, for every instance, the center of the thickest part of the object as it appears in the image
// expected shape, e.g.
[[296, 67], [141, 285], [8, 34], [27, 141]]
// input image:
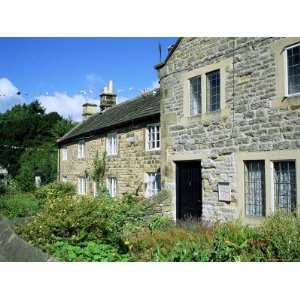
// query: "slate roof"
[[138, 109], [160, 65]]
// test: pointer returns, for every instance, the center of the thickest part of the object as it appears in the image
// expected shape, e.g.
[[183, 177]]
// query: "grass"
[[18, 205]]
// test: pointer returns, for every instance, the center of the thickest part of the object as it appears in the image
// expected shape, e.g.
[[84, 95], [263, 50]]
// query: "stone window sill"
[[293, 101], [212, 115]]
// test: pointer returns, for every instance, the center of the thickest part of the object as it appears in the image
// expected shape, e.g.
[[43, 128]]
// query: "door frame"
[[177, 204]]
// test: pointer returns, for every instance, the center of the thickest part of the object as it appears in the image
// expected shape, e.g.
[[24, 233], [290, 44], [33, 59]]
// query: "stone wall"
[[128, 166], [256, 117], [14, 249]]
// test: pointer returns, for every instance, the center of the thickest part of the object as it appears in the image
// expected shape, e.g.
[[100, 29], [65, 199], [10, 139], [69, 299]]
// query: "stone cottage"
[[230, 127], [129, 134], [225, 141]]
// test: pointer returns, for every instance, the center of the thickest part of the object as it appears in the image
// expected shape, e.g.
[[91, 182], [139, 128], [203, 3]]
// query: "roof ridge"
[[140, 97]]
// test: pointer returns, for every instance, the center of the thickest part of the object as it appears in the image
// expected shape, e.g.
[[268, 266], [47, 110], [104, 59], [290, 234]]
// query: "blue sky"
[[65, 72]]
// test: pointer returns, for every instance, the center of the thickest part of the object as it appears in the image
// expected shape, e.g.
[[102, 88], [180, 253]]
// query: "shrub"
[[194, 242], [91, 252], [172, 244], [18, 205], [77, 220], [54, 190], [236, 242], [281, 233]]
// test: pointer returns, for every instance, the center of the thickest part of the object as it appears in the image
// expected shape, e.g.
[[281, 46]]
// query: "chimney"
[[88, 109], [108, 99]]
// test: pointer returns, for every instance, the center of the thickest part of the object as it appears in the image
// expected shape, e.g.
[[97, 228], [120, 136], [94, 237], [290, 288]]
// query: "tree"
[[28, 141]]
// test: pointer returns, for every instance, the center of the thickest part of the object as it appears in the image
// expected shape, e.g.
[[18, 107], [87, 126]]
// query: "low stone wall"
[[14, 249]]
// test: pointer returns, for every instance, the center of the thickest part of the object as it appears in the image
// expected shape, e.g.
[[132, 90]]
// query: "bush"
[[236, 242], [54, 190], [18, 205], [91, 252], [281, 234], [172, 244], [194, 242], [78, 220]]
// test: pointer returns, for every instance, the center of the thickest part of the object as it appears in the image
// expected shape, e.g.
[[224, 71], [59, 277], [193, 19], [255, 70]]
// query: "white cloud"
[[66, 105], [60, 102], [8, 95], [155, 85]]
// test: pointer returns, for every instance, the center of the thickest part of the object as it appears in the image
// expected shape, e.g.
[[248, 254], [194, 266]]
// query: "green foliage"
[[18, 205], [74, 228], [193, 242], [281, 234], [54, 190], [235, 242], [37, 162], [98, 171], [91, 252], [30, 137], [78, 220]]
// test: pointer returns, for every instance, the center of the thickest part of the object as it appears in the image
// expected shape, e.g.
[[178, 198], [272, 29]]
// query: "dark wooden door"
[[188, 189]]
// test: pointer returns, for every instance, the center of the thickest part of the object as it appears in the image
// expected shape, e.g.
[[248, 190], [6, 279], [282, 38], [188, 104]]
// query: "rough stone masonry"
[[256, 119]]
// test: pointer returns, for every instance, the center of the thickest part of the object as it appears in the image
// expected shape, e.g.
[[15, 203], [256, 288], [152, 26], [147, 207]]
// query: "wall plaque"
[[224, 191]]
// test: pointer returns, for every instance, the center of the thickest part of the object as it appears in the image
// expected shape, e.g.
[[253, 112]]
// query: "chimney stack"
[[108, 99], [88, 109]]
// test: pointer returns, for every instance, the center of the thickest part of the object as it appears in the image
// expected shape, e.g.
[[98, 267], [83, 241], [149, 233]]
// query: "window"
[[111, 144], [65, 153], [292, 56], [153, 137], [64, 179], [81, 185], [195, 95], [255, 188], [153, 184], [112, 186], [213, 90], [81, 150], [285, 185]]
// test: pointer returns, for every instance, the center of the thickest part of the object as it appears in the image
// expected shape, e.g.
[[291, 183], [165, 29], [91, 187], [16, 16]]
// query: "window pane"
[[153, 137], [195, 88], [293, 60], [285, 185], [255, 188], [213, 90]]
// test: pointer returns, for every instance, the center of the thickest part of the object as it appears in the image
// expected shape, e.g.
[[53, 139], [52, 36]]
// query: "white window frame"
[[112, 148], [111, 184], [148, 141], [81, 185], [64, 153], [150, 178], [286, 77], [81, 150]]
